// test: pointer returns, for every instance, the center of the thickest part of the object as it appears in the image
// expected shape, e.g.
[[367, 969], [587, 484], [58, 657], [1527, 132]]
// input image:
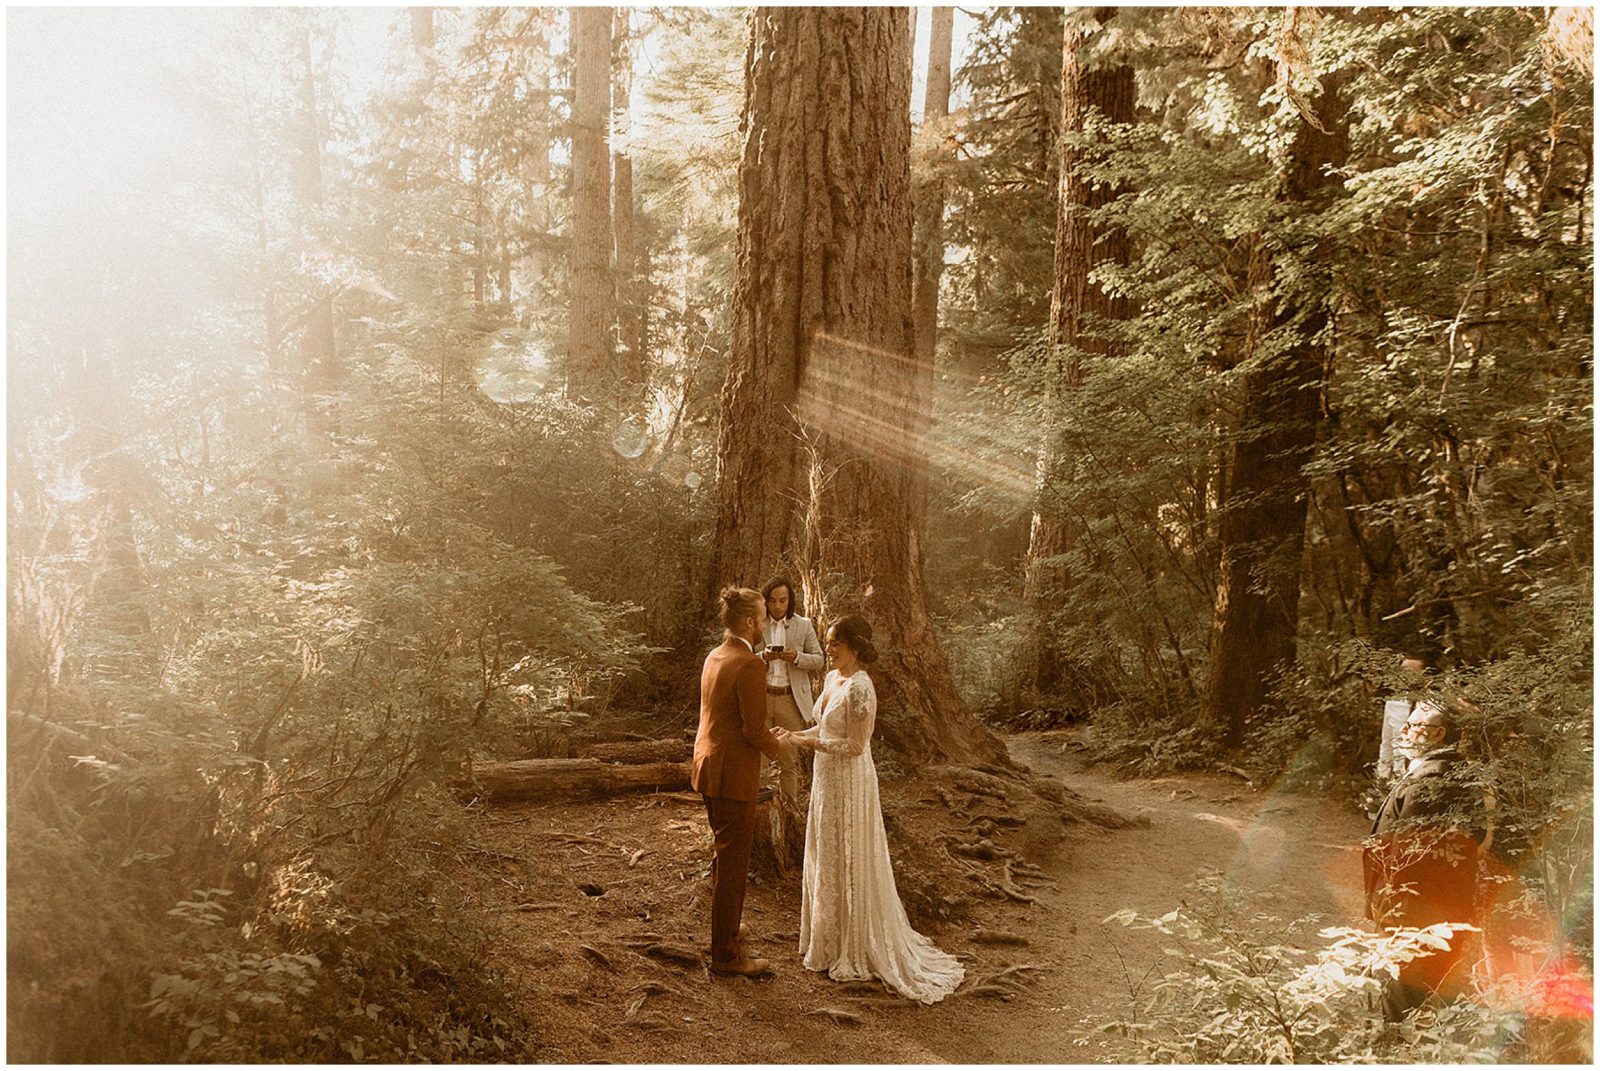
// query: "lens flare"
[[630, 438]]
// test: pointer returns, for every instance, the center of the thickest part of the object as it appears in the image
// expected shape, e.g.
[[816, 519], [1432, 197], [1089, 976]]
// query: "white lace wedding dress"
[[852, 923]]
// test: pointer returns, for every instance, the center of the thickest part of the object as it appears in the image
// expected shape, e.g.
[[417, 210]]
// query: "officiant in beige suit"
[[792, 653]]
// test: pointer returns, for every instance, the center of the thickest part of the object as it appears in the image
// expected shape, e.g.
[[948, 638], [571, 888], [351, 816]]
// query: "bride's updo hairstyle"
[[854, 631], [738, 604]]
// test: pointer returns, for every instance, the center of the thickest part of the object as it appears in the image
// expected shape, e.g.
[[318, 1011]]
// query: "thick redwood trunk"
[[1263, 522], [1081, 246], [761, 484], [823, 332], [590, 368]]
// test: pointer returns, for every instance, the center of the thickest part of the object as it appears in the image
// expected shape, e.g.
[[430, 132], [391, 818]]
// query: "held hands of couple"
[[786, 739]]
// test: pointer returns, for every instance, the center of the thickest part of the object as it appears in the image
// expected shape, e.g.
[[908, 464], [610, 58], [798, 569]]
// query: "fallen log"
[[640, 751], [550, 779]]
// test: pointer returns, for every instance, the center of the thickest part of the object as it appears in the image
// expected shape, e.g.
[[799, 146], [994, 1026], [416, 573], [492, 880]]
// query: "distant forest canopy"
[[408, 389]]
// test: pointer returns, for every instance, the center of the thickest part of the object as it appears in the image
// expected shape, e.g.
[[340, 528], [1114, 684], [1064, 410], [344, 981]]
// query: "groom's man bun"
[[738, 604]]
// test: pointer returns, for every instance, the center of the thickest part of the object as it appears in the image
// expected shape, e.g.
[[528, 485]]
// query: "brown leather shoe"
[[744, 967]]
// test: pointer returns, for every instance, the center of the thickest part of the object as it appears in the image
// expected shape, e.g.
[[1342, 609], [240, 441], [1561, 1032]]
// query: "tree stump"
[[780, 844]]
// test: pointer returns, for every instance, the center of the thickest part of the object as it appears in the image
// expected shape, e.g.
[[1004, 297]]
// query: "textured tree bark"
[[591, 371], [780, 841], [823, 349], [1263, 517], [761, 486], [319, 359], [930, 191], [1081, 247], [636, 751]]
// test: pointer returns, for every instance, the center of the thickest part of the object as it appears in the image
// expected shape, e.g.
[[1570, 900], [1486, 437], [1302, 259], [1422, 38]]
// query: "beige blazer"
[[802, 637]]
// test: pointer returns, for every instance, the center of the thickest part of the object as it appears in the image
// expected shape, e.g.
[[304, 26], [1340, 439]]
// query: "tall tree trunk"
[[823, 331], [930, 192], [1045, 24], [537, 160], [502, 249], [1263, 519], [591, 370], [318, 354], [1081, 247], [629, 315]]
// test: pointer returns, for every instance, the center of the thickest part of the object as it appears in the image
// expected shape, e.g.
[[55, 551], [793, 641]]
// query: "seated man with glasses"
[[1421, 861]]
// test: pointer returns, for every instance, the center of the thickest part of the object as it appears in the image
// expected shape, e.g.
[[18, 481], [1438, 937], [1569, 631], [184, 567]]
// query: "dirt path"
[[583, 954], [1294, 854]]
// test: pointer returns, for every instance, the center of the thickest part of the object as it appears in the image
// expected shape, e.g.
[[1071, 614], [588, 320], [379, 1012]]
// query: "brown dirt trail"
[[595, 898]]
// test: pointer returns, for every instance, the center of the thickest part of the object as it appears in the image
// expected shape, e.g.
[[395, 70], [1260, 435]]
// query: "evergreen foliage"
[[255, 624]]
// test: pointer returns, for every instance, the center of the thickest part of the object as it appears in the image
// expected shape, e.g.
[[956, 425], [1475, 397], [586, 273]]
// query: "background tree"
[[630, 308], [1089, 95], [1003, 182], [1261, 530], [589, 343], [319, 357]]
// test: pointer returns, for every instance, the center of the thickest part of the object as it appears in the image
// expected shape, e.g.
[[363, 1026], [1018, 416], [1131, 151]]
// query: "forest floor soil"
[[582, 891]]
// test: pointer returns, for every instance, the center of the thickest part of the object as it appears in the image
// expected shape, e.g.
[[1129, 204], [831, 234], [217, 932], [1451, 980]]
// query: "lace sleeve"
[[860, 714]]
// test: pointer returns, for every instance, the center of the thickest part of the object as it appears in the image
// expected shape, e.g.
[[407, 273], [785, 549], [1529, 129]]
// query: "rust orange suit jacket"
[[733, 724]]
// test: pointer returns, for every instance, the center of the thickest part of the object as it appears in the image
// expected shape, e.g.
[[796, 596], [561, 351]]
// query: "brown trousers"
[[733, 831], [783, 713]]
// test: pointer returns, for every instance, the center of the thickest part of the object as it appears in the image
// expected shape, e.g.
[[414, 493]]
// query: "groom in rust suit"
[[726, 770]]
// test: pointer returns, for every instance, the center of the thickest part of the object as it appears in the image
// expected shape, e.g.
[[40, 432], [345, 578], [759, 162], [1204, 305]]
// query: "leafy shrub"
[[1244, 991]]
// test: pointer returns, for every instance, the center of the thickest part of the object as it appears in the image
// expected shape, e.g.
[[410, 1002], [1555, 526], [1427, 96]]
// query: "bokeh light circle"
[[630, 438]]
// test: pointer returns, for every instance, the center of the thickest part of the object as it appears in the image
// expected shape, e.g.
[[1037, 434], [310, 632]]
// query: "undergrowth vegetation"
[[1246, 987]]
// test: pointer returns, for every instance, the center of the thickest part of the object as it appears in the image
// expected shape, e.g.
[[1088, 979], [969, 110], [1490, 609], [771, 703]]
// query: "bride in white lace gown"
[[852, 923]]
